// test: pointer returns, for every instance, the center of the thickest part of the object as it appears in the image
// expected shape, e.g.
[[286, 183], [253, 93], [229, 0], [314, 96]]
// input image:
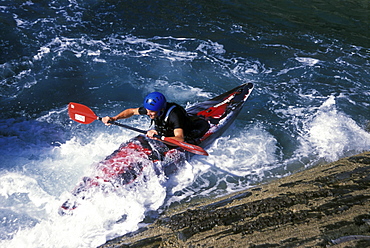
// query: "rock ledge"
[[325, 206]]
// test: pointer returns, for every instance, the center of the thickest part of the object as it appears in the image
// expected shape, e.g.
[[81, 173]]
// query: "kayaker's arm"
[[127, 113], [178, 132]]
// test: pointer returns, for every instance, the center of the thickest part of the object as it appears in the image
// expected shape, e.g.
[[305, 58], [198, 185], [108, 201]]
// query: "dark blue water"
[[309, 62]]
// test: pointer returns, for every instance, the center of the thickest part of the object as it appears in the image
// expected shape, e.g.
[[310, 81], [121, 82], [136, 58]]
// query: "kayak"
[[126, 164]]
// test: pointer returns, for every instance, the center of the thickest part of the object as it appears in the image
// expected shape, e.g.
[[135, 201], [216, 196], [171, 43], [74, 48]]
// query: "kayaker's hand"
[[106, 120], [151, 134]]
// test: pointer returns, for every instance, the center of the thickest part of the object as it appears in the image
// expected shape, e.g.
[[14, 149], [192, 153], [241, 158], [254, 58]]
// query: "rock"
[[324, 206]]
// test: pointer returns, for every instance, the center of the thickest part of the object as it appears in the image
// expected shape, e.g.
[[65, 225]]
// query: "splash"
[[30, 202], [334, 134], [251, 152]]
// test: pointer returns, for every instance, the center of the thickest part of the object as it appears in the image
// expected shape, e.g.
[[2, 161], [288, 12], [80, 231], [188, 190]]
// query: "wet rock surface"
[[325, 206]]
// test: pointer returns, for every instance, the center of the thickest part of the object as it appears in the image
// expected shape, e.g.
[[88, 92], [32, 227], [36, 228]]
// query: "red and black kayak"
[[127, 163]]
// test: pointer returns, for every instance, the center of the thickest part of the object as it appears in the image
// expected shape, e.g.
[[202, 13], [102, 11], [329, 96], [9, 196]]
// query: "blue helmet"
[[155, 101]]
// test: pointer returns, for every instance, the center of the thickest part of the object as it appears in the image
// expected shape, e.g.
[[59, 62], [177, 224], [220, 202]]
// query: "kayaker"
[[170, 119]]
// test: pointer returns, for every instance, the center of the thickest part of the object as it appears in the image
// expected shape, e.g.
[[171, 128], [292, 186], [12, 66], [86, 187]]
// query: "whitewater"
[[310, 105]]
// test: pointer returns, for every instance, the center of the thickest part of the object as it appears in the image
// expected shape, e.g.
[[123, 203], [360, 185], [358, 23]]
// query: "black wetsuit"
[[173, 117]]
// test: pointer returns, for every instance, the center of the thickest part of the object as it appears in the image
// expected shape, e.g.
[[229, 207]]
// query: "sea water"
[[309, 63]]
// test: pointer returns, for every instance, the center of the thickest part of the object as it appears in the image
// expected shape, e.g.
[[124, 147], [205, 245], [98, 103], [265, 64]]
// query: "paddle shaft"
[[131, 128], [189, 147], [84, 115]]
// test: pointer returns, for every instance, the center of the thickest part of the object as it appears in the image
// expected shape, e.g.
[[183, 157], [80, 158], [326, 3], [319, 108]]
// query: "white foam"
[[307, 61], [209, 47], [171, 91], [41, 53], [324, 133], [36, 199], [333, 134], [251, 152], [97, 219]]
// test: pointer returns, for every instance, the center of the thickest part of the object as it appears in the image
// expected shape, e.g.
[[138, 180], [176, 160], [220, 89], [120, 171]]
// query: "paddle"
[[83, 114]]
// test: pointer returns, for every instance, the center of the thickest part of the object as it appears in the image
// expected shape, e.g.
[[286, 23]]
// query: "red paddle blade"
[[186, 146], [81, 113]]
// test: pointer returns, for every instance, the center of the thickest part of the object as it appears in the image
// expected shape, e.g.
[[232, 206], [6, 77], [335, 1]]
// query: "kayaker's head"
[[155, 104]]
